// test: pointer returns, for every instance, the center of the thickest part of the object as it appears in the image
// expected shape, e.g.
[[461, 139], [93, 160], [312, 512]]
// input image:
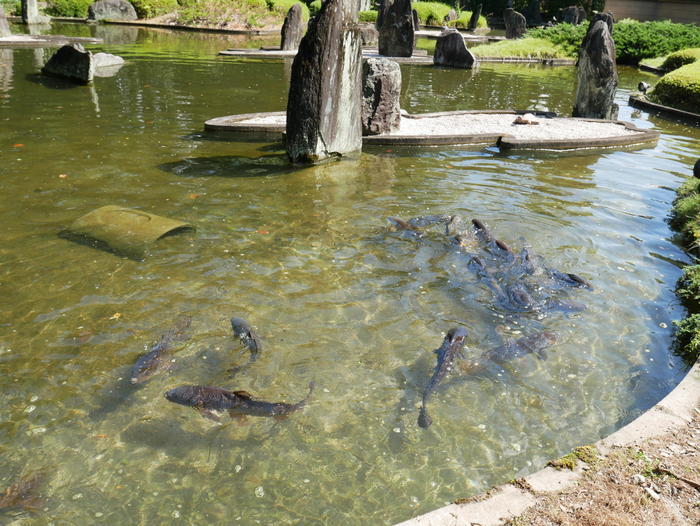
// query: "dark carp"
[[533, 344], [570, 279], [450, 349], [426, 221], [158, 358], [206, 400], [482, 232], [249, 338]]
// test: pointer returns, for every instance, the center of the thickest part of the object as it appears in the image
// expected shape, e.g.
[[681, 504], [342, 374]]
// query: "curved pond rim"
[[511, 499], [664, 111], [241, 126]]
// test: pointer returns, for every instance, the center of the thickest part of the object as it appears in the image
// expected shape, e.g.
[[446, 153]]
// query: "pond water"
[[305, 255]]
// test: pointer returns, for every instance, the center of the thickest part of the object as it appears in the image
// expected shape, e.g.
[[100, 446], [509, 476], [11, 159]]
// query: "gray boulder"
[[112, 10], [369, 35], [597, 75], [450, 50], [71, 62], [292, 28], [516, 26], [474, 20], [4, 25], [381, 93], [106, 64], [573, 15], [323, 108], [396, 33]]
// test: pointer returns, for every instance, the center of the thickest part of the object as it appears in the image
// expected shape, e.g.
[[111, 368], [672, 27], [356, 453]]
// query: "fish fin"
[[243, 394], [238, 417], [207, 413]]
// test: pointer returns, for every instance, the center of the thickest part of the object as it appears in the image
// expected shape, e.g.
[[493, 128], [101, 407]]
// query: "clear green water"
[[304, 255]]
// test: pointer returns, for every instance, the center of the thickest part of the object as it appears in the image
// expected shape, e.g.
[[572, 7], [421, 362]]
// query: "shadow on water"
[[230, 166], [47, 81]]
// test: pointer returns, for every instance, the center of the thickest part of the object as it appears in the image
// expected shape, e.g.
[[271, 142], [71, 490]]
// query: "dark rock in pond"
[[369, 35], [4, 25], [474, 20], [597, 75], [71, 62], [381, 91], [324, 103], [112, 10], [450, 50], [533, 14], [31, 15], [696, 169], [396, 33], [516, 26], [292, 28]]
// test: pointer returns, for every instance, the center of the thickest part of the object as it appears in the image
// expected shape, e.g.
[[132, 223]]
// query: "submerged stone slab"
[[597, 75], [292, 28], [71, 62], [516, 26], [324, 104], [451, 50], [4, 25], [112, 10], [396, 32], [381, 91]]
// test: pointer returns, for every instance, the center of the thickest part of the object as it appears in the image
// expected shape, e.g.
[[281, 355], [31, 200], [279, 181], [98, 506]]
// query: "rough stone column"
[[292, 28], [396, 33], [381, 93], [474, 20], [4, 25], [323, 108], [516, 26], [30, 13], [597, 75], [534, 16], [450, 50]]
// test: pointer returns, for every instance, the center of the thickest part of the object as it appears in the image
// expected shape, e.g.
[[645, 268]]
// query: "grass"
[[521, 48], [680, 88], [587, 454]]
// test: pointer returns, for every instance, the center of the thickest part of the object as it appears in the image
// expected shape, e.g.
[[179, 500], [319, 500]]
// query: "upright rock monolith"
[[396, 33], [111, 10], [474, 20], [516, 26], [573, 15], [534, 15], [292, 28], [450, 50], [324, 104], [597, 75], [4, 25], [30, 13], [71, 62], [381, 93]]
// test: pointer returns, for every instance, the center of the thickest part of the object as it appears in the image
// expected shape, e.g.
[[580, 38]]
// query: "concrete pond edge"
[[512, 499], [229, 126], [664, 111]]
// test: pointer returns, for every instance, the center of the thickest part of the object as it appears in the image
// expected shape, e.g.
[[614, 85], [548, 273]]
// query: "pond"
[[305, 255]]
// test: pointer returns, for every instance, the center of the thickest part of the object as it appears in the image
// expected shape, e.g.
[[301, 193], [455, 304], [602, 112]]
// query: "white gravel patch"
[[557, 128]]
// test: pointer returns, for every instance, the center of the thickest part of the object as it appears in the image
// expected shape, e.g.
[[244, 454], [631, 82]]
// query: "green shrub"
[[283, 6], [463, 20], [431, 13], [12, 7], [680, 58], [368, 16], [151, 8], [688, 285], [633, 40], [686, 340], [76, 8], [522, 48], [680, 88], [315, 7]]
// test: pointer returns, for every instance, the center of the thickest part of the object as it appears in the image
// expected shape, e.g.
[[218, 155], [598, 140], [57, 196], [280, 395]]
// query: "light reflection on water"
[[304, 255]]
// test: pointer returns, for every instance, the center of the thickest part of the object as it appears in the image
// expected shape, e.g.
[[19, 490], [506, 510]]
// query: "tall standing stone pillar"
[[324, 104], [30, 13], [597, 74], [4, 26], [397, 31], [474, 20], [292, 28]]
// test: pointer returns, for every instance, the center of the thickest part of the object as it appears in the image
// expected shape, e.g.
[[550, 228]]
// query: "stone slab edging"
[[142, 23], [230, 126], [508, 500], [33, 41], [664, 111]]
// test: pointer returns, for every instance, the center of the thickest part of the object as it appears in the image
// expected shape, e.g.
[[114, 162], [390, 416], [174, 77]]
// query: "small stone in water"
[[29, 409], [77, 496], [259, 492], [482, 426], [176, 514], [397, 430], [237, 468], [99, 514], [663, 325]]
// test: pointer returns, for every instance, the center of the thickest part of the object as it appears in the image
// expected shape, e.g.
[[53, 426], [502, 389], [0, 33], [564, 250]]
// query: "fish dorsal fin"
[[243, 394]]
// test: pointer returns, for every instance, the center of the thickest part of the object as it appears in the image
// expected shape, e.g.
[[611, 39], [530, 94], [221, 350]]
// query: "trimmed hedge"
[[368, 16], [431, 13], [463, 20], [522, 48], [680, 58], [76, 8], [680, 88], [633, 40], [283, 6]]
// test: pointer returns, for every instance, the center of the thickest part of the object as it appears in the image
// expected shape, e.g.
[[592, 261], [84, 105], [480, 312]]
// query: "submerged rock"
[[397, 31], [597, 75], [451, 51], [112, 10], [71, 62], [292, 28], [324, 104], [381, 91]]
